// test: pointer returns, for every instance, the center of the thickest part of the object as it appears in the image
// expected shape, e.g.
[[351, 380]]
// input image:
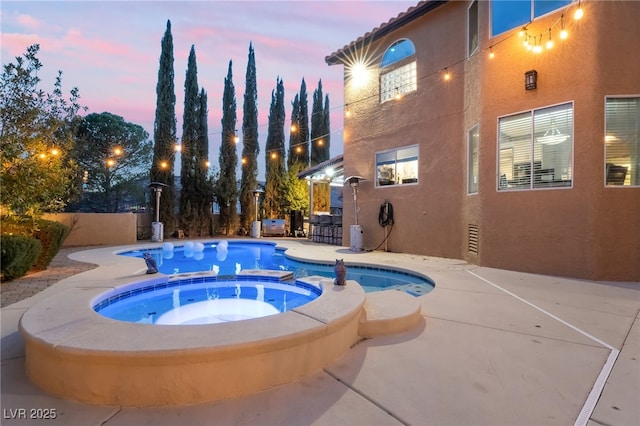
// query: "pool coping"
[[75, 353]]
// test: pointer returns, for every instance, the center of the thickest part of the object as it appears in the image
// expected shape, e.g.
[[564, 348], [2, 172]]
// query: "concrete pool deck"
[[495, 348]]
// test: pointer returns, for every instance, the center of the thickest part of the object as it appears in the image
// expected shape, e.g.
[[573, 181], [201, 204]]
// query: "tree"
[[250, 148], [36, 130], [193, 173], [164, 134], [320, 135], [204, 183], [274, 203], [296, 191], [226, 189], [320, 146], [299, 137], [113, 156]]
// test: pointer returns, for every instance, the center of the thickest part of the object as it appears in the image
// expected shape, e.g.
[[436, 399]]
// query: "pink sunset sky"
[[110, 51]]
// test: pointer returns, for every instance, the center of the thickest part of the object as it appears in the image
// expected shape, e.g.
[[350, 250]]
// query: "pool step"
[[388, 312]]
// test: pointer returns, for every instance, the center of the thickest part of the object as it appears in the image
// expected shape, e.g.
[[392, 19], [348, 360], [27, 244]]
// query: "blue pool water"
[[228, 257], [205, 300]]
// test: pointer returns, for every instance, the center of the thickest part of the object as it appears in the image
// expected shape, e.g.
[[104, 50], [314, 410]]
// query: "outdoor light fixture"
[[579, 13], [531, 80], [157, 227], [355, 231], [256, 193], [359, 74], [354, 182]]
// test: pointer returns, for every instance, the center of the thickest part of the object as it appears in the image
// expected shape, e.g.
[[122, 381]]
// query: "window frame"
[[394, 180], [533, 13], [400, 75], [473, 160], [632, 171], [533, 155], [470, 48]]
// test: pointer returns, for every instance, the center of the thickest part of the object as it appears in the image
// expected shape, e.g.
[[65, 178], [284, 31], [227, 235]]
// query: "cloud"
[[29, 22], [16, 44]]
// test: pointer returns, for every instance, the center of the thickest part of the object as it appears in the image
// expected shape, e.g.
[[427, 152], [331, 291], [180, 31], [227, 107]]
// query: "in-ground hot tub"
[[75, 353], [205, 300]]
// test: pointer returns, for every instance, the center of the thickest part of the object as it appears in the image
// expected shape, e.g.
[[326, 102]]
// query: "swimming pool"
[[77, 354], [205, 300], [227, 258]]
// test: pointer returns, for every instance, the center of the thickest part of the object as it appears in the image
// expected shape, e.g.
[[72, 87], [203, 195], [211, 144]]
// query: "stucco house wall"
[[585, 230]]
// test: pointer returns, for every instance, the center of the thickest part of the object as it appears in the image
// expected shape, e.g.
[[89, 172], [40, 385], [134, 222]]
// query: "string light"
[[531, 42], [535, 45], [563, 33], [538, 47], [522, 32], [579, 13]]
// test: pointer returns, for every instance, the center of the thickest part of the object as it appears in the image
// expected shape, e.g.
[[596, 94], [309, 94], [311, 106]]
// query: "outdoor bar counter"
[[326, 228]]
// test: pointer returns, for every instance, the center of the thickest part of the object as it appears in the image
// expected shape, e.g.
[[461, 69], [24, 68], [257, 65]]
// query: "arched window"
[[397, 51], [398, 70]]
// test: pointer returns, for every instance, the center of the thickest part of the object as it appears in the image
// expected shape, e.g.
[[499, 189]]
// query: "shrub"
[[19, 253], [51, 235]]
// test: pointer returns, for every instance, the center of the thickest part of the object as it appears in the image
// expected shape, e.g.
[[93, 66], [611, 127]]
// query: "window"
[[472, 160], [398, 73], [398, 51], [536, 149], [509, 14], [397, 166], [622, 142], [472, 19]]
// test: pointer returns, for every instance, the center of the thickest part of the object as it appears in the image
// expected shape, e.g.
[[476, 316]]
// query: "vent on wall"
[[474, 238]]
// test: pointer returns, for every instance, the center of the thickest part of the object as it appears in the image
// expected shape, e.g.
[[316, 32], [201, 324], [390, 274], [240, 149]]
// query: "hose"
[[385, 218]]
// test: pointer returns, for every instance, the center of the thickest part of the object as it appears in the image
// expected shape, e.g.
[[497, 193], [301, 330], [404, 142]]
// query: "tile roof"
[[394, 23]]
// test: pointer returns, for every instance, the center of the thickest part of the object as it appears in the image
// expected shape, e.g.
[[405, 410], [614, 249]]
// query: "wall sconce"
[[531, 80]]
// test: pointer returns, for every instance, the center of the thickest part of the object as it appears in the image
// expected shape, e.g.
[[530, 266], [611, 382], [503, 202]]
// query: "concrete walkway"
[[495, 348]]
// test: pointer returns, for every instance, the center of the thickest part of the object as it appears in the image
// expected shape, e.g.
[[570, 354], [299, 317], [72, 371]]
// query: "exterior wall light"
[[531, 80]]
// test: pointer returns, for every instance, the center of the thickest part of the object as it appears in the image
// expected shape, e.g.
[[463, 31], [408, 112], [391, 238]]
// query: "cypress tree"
[[274, 203], [189, 216], [320, 147], [164, 134], [299, 135], [327, 128], [251, 148], [226, 190], [303, 129], [204, 187], [320, 140], [293, 133]]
